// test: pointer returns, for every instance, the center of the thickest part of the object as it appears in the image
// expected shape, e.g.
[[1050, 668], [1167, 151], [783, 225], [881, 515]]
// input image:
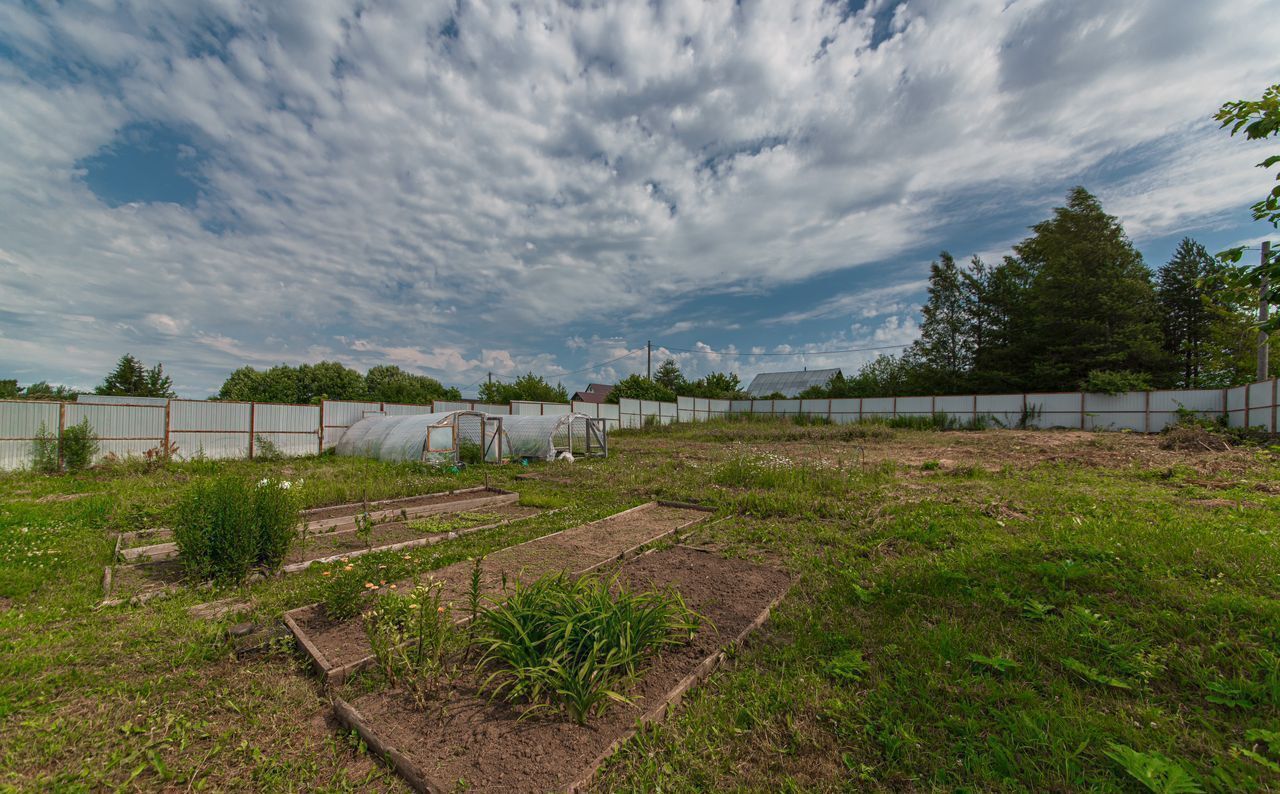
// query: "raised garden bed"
[[157, 544], [469, 741], [340, 648], [142, 581]]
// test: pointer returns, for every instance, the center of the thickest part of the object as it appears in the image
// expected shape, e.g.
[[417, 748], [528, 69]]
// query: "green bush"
[[44, 451], [343, 593], [1108, 381], [227, 526], [79, 445]]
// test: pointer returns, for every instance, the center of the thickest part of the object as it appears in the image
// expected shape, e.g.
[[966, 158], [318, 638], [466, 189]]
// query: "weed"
[[849, 667], [364, 528], [264, 449], [930, 465], [1155, 771], [470, 453], [1092, 674], [999, 664]]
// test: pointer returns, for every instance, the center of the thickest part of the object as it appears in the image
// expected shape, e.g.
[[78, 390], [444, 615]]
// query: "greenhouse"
[[442, 437]]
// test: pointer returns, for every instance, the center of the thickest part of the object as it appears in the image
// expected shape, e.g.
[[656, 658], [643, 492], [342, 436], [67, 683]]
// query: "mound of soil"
[[1195, 439]]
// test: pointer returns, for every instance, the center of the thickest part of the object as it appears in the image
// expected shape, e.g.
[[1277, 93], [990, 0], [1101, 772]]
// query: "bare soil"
[[325, 544], [406, 503], [472, 743], [572, 551]]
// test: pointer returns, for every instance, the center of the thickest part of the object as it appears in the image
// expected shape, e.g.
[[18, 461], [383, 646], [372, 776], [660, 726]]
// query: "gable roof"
[[789, 383]]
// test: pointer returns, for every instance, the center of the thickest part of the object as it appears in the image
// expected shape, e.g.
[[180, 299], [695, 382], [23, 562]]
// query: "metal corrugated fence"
[[1255, 405]]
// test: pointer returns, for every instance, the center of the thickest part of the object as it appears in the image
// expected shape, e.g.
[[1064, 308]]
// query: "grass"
[[924, 646]]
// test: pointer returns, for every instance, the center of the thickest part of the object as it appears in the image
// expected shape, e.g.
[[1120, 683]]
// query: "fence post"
[[1082, 427], [1247, 406], [253, 414], [1273, 404], [320, 431], [1146, 413], [167, 403], [62, 425], [860, 409], [975, 409], [895, 407]]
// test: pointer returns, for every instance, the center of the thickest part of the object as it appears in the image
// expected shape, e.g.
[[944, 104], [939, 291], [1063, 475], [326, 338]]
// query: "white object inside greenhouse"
[[438, 437]]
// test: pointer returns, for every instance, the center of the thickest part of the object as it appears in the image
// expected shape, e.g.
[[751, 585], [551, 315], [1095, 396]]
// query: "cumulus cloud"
[[459, 188]]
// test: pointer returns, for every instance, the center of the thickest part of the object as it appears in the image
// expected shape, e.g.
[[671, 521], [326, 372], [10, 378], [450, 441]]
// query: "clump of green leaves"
[[574, 643], [470, 453], [44, 451], [848, 667], [343, 593], [79, 445], [1156, 771], [227, 526]]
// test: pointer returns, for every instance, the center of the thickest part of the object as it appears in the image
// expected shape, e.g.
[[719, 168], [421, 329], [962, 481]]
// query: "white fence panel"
[[1056, 410], [291, 429], [741, 406], [954, 405], [1261, 399], [877, 407], [786, 407], [19, 423], [762, 406], [915, 406], [210, 429], [846, 409], [122, 430], [1236, 406], [816, 407], [1204, 400], [719, 407]]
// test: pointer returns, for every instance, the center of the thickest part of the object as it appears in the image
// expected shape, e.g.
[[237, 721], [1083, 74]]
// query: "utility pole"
[[648, 359], [491, 378], [1264, 312]]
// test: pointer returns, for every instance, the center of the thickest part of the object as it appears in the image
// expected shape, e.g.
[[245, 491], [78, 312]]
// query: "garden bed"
[[146, 579], [157, 544], [469, 741], [414, 506], [339, 648]]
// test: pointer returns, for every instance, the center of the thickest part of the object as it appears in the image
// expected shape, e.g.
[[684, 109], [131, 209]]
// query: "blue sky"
[[464, 187]]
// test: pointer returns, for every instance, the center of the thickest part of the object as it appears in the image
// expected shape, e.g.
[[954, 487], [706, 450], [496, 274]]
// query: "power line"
[[574, 372]]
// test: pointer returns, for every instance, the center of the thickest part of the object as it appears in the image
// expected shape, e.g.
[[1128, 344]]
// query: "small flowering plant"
[[412, 635]]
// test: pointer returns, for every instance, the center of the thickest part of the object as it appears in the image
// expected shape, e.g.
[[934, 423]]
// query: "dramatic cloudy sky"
[[458, 186]]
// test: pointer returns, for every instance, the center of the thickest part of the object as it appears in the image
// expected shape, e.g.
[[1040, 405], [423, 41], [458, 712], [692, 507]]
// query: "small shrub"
[[79, 445], [225, 527], [44, 451], [849, 667], [343, 594]]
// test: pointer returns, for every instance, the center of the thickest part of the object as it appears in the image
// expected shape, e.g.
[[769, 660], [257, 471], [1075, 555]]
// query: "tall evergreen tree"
[[945, 348], [1187, 309], [999, 319], [1093, 300], [131, 379], [670, 377]]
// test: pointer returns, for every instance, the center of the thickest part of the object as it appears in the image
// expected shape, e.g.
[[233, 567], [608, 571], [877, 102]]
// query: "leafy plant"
[[44, 451], [343, 594], [411, 635], [574, 642], [226, 526], [266, 449], [1104, 381], [1155, 771], [79, 445], [364, 528], [470, 453], [848, 667], [998, 663], [1092, 674]]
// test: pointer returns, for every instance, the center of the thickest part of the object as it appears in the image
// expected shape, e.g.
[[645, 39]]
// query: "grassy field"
[[982, 611]]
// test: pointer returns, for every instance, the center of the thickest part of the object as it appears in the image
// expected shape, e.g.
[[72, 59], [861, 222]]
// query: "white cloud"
[[459, 204]]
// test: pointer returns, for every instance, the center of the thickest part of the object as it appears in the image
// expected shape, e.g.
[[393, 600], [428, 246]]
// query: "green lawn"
[[983, 611]]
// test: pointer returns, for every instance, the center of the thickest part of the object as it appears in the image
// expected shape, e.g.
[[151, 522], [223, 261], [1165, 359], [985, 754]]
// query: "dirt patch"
[[1196, 439], [326, 544], [574, 550], [484, 743]]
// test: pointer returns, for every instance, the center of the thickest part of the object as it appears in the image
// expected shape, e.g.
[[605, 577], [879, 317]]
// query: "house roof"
[[789, 383], [594, 393]]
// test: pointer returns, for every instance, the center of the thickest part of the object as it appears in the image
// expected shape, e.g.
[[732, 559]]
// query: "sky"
[[464, 187]]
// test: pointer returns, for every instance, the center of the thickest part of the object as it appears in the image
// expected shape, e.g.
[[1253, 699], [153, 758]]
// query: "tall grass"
[[573, 643]]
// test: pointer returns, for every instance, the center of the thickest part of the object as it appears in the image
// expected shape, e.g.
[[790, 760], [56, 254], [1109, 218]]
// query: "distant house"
[[594, 393], [789, 383]]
